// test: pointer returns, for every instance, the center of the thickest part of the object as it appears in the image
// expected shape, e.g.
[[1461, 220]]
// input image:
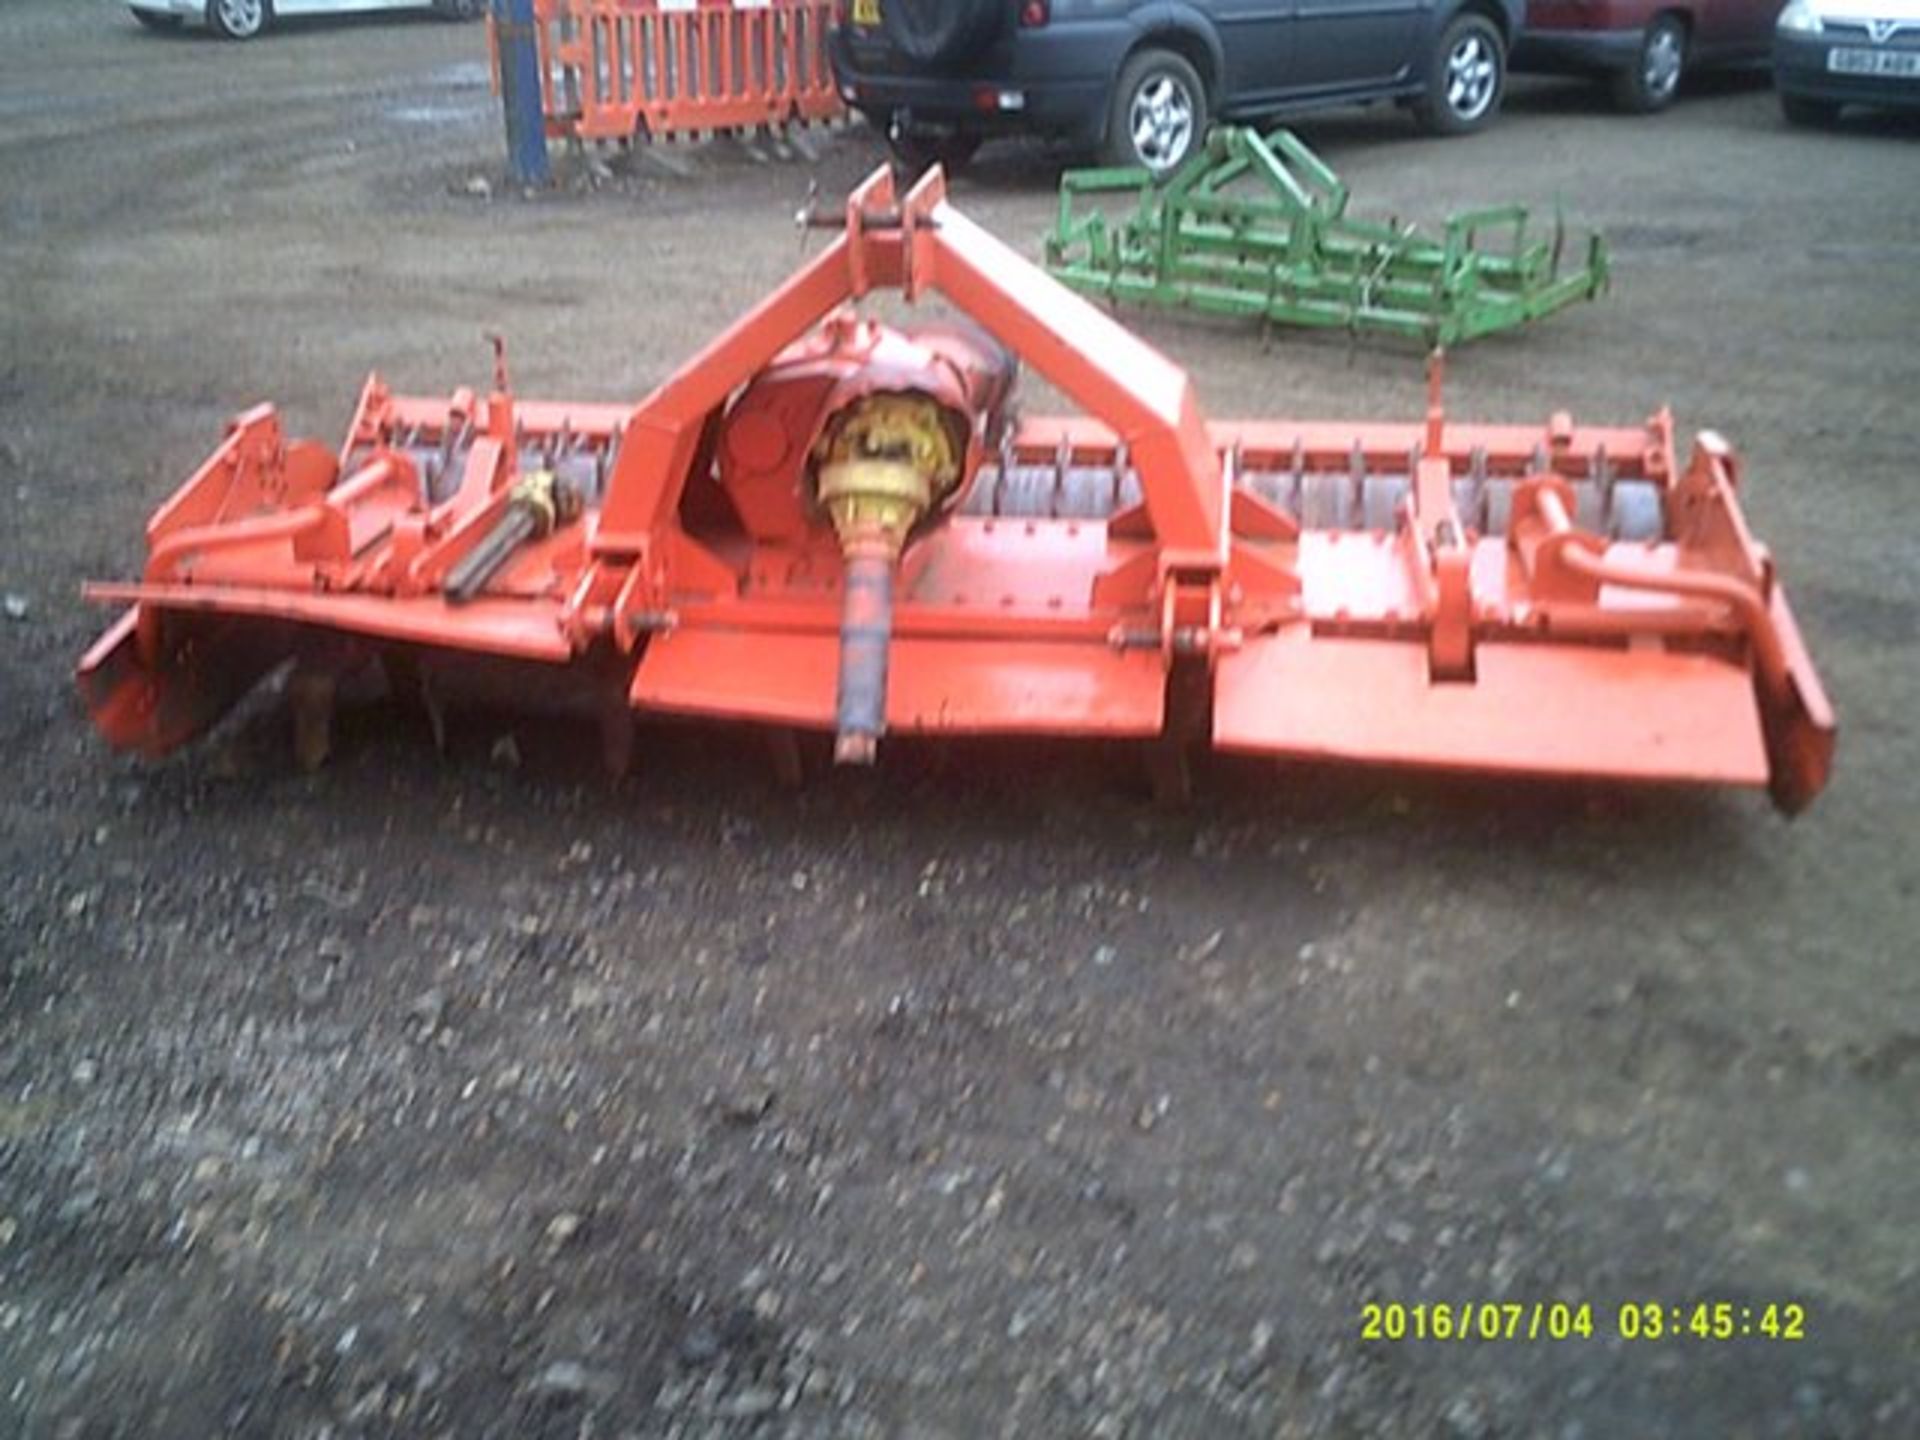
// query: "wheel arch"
[[1688, 21], [1501, 17], [1187, 33]]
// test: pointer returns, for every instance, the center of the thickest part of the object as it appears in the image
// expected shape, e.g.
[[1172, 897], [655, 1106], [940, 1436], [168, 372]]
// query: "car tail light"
[[1035, 13], [987, 99]]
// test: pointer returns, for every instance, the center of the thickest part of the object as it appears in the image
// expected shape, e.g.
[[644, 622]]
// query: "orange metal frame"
[[1549, 650], [650, 69]]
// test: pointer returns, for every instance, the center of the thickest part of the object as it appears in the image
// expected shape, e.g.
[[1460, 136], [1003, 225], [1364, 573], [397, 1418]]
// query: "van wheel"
[[1158, 115], [1466, 76], [1651, 82]]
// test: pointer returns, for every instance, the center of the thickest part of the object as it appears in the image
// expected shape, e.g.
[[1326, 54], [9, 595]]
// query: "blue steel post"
[[520, 92]]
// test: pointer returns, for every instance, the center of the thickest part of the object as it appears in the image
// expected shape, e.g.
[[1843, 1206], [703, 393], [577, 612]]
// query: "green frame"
[[1289, 253]]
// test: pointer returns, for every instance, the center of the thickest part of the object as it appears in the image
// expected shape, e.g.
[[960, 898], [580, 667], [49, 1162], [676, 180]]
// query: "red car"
[[1642, 46]]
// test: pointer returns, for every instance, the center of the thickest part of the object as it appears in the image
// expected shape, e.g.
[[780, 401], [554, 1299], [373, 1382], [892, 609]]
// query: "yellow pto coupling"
[[885, 462]]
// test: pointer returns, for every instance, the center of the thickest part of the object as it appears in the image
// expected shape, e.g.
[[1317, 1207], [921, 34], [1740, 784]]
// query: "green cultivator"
[[1257, 225]]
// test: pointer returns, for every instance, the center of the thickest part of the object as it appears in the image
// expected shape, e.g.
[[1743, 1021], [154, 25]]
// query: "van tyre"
[[1466, 77], [1653, 79], [1159, 113]]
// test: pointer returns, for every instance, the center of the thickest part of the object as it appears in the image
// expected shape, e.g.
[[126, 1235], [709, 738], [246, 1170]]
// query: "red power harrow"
[[822, 523]]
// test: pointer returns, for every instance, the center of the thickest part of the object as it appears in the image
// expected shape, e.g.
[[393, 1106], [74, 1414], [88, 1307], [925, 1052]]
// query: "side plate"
[[1532, 709]]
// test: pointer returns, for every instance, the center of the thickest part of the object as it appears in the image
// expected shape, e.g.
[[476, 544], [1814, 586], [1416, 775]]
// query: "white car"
[[244, 19], [1831, 53]]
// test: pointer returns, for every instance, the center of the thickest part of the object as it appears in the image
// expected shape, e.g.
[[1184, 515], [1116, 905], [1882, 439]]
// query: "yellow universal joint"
[[884, 462], [545, 499]]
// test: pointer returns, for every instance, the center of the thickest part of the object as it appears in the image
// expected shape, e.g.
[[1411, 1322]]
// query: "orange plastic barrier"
[[647, 69]]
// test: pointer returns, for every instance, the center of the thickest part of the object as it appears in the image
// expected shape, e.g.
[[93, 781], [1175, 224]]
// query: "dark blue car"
[[1140, 82]]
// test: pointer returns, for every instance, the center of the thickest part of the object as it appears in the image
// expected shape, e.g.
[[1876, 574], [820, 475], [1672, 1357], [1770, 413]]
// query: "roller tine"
[[1356, 476], [978, 499], [1603, 482], [1009, 457]]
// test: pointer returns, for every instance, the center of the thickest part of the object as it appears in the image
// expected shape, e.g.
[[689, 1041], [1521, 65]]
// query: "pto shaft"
[[537, 504], [890, 459], [514, 528], [866, 632]]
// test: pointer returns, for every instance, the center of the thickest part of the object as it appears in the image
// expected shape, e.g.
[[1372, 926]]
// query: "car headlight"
[[1799, 18]]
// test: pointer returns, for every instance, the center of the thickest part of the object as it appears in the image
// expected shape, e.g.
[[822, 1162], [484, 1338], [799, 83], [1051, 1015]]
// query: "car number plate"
[[1874, 62], [866, 12]]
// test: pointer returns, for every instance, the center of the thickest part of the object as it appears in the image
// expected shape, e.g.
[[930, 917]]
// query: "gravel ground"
[[463, 1095]]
